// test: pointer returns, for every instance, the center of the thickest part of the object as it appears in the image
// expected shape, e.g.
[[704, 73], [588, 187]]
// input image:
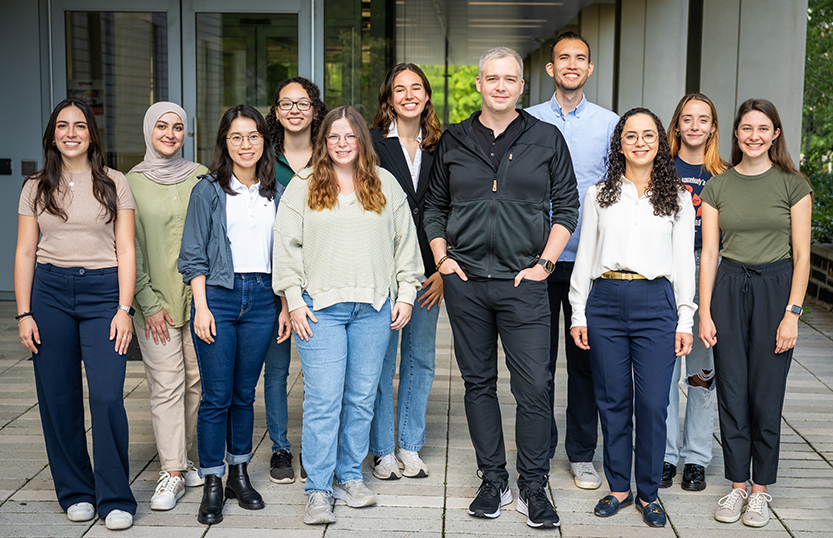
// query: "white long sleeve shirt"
[[627, 236]]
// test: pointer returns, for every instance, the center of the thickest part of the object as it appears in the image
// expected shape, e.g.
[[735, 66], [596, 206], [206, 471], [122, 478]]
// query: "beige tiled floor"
[[430, 507]]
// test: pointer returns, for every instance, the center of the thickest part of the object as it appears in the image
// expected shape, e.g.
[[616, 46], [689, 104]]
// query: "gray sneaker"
[[354, 493], [730, 506], [757, 510], [585, 475], [319, 509], [386, 467]]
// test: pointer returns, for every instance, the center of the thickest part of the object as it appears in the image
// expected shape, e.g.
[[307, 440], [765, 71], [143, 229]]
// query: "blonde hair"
[[323, 185], [712, 161]]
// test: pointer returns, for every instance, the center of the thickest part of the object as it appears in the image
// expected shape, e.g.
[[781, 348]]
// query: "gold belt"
[[616, 275]]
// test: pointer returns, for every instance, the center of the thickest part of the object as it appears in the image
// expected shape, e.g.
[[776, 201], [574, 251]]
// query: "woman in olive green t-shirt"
[[749, 310]]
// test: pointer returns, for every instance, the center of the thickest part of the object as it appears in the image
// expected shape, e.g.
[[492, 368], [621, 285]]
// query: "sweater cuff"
[[294, 298]]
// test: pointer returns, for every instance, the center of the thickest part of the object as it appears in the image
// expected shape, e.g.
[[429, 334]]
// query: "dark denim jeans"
[[245, 318]]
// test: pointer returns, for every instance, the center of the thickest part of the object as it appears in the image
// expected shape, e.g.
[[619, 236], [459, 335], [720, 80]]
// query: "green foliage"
[[817, 139], [463, 98], [822, 207]]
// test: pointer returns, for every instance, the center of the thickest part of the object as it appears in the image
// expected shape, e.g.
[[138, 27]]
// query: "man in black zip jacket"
[[494, 179]]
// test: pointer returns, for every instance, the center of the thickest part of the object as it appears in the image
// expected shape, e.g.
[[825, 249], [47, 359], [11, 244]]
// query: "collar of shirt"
[[236, 186], [559, 110], [393, 132]]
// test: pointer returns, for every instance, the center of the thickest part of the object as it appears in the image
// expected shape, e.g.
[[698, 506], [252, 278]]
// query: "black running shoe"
[[301, 464], [534, 503], [490, 497], [281, 468]]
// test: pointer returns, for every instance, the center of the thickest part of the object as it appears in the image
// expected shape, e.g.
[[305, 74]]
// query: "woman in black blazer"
[[405, 132]]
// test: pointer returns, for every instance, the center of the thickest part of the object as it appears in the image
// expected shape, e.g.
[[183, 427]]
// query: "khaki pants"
[[174, 381]]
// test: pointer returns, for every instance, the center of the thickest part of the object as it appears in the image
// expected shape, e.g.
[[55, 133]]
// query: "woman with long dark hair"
[[294, 121], [163, 301], [74, 274], [632, 293], [749, 311], [405, 132], [694, 141], [226, 256], [347, 261]]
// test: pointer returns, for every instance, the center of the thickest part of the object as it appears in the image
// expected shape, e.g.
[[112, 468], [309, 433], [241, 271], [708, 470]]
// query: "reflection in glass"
[[118, 64], [240, 60]]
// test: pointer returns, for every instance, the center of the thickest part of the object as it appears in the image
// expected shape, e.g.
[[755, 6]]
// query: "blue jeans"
[[416, 375], [275, 372], [342, 363], [245, 318], [698, 426]]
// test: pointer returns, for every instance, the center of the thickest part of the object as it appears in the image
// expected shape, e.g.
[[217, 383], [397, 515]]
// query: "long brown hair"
[[323, 185], [778, 152], [223, 167], [711, 161], [428, 120], [49, 177]]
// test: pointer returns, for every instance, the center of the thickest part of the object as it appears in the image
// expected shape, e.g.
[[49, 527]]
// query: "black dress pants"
[[582, 414], [748, 303], [479, 312]]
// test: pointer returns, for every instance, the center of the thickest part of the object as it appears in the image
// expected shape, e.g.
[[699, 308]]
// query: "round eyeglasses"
[[334, 139], [254, 139], [649, 137]]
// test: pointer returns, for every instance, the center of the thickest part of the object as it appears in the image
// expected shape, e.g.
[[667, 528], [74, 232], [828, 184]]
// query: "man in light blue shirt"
[[587, 128]]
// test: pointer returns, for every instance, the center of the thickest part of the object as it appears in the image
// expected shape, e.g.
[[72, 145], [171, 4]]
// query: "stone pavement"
[[430, 507]]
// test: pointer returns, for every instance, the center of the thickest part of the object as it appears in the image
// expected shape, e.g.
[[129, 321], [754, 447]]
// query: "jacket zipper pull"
[[494, 186], [510, 155]]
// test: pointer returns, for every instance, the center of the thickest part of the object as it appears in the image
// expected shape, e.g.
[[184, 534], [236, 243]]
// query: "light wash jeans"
[[698, 426], [275, 372], [416, 375], [342, 363]]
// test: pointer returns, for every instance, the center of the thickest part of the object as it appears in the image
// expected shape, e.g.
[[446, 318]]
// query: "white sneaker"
[[730, 506], [757, 510], [354, 493], [118, 520], [81, 512], [386, 467], [169, 489], [192, 476], [411, 464], [585, 475], [319, 510]]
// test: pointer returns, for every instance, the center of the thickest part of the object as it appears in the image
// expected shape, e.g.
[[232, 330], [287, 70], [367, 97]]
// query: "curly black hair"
[[665, 186], [318, 106]]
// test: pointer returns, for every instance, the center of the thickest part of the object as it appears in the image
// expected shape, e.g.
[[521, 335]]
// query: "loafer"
[[609, 505], [652, 514], [668, 473], [694, 477]]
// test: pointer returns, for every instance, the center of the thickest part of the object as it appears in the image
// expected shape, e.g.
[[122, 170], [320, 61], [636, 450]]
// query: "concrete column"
[[755, 49], [652, 55], [598, 27]]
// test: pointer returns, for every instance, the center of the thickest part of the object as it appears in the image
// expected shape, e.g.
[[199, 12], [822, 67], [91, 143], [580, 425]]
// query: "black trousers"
[[748, 304], [582, 414], [480, 312]]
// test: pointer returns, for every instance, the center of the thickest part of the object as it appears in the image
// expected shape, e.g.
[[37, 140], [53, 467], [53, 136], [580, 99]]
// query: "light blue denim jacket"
[[205, 248]]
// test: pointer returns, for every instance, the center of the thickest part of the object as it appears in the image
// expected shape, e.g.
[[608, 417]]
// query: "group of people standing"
[[307, 222]]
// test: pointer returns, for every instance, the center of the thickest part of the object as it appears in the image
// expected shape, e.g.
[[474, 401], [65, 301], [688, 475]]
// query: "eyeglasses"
[[649, 137], [254, 139], [334, 139], [286, 104]]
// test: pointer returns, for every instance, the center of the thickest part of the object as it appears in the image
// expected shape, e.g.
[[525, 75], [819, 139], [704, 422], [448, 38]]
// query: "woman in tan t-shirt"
[[74, 274]]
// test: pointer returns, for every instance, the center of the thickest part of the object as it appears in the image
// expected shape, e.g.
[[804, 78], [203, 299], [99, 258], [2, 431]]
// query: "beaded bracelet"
[[442, 260]]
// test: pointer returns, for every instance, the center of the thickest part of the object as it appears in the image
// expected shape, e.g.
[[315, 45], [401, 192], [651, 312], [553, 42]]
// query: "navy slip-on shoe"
[[652, 514], [609, 505]]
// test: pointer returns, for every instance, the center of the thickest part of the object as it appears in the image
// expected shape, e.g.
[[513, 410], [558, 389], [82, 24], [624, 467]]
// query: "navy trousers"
[[631, 327], [73, 308], [582, 414]]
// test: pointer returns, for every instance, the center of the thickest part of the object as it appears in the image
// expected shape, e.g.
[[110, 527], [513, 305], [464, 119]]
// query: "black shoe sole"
[[693, 486], [257, 505], [211, 519], [665, 483]]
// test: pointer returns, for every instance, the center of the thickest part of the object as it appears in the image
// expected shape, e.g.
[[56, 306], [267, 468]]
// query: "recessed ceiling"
[[472, 26]]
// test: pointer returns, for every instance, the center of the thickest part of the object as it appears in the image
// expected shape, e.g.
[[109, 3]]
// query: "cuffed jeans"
[[245, 318], [275, 372], [698, 425], [631, 328], [73, 308], [174, 382], [416, 375], [479, 312], [582, 414], [342, 362]]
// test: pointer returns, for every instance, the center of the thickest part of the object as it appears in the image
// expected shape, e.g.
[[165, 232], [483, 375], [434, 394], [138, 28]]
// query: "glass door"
[[120, 57], [237, 55]]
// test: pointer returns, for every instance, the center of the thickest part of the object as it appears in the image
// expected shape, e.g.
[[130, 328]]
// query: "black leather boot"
[[211, 506], [238, 487]]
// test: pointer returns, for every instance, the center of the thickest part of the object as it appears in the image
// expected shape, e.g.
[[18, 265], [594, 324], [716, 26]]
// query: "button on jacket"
[[497, 220]]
